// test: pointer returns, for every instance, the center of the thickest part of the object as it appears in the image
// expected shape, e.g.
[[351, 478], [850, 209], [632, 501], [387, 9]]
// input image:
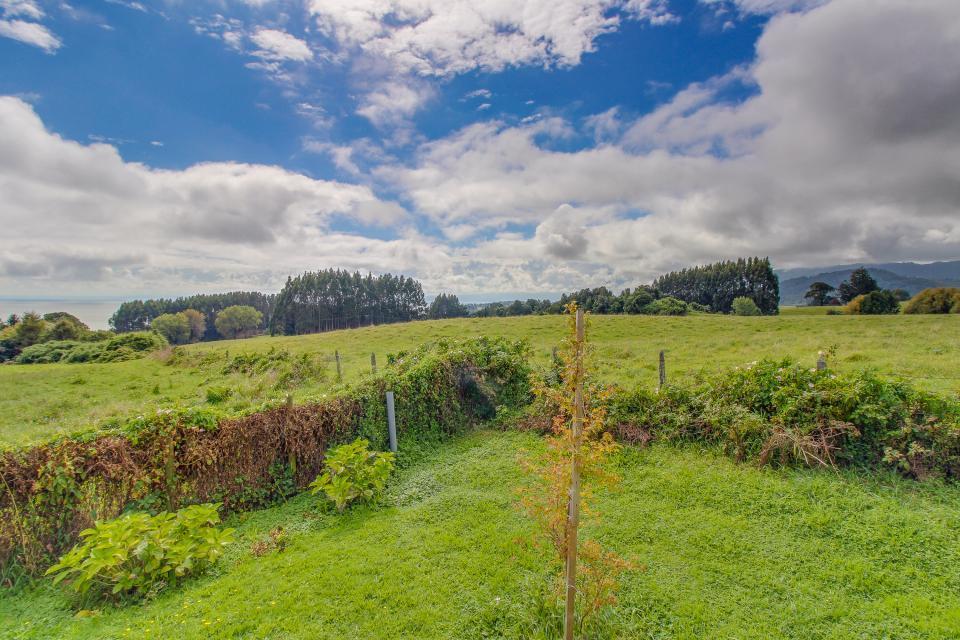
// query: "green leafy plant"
[[137, 553], [744, 306], [353, 473]]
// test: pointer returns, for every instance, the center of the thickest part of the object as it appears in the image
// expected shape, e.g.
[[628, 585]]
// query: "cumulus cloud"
[[847, 150], [280, 45], [394, 101], [65, 203], [31, 33], [446, 37]]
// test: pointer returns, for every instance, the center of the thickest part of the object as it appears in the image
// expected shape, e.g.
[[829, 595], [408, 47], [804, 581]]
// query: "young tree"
[[175, 327], [575, 453], [238, 321], [860, 283], [819, 293]]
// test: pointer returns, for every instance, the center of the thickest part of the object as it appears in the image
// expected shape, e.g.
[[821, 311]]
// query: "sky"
[[490, 148]]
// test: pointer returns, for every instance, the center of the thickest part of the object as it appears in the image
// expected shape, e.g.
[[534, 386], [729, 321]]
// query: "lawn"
[[730, 551], [39, 400]]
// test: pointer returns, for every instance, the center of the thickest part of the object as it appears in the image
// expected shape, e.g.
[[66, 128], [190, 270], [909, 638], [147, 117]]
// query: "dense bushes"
[[180, 457], [22, 332], [936, 300], [878, 302], [126, 346], [774, 411]]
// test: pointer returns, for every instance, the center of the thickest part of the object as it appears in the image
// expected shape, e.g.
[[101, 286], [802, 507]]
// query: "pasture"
[[39, 401], [725, 551]]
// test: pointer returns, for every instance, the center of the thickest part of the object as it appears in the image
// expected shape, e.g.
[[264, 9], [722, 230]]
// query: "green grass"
[[730, 552], [39, 400]]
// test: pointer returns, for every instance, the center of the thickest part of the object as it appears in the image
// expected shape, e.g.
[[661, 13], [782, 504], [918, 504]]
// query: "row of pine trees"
[[717, 285], [333, 299], [338, 299]]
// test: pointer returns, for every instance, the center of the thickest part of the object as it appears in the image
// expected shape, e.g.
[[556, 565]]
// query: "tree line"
[[331, 299], [717, 285], [138, 315], [338, 299]]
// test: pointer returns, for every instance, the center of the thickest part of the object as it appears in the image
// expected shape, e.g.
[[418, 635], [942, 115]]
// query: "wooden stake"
[[821, 361], [573, 507], [373, 362], [336, 354]]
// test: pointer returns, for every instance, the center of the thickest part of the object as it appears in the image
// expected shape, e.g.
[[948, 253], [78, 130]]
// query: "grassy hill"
[[729, 551], [37, 401]]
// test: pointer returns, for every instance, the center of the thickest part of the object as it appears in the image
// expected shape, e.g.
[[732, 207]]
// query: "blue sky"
[[486, 148]]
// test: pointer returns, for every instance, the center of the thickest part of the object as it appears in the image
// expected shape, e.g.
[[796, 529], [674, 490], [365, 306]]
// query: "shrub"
[[175, 327], [744, 306], [667, 306], [934, 300], [47, 352], [127, 346], [238, 321], [137, 553], [874, 303], [353, 473]]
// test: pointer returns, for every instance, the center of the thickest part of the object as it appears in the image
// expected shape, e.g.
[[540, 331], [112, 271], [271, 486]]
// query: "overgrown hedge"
[[778, 412], [52, 491]]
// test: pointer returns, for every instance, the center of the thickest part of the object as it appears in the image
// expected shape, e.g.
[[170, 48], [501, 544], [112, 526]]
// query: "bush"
[[667, 306], [353, 473], [744, 306], [935, 300], [874, 303], [238, 321], [137, 553], [47, 352], [175, 327]]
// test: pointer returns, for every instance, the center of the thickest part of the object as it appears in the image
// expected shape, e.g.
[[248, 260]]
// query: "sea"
[[94, 313]]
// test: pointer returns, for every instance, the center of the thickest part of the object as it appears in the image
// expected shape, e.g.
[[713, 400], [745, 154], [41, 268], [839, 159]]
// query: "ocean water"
[[94, 313]]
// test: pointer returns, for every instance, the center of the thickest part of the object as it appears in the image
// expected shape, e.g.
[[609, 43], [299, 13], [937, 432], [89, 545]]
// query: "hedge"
[[54, 490]]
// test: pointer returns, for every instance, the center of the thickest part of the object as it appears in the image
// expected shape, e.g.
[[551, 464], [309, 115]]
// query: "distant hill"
[[910, 276]]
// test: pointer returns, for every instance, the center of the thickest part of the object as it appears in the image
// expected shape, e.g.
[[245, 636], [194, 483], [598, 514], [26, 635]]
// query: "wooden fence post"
[[373, 362], [821, 361], [336, 354], [573, 507], [663, 371], [391, 422]]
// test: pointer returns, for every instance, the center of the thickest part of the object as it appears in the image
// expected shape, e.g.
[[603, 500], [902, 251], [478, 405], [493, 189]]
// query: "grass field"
[[39, 400], [730, 552]]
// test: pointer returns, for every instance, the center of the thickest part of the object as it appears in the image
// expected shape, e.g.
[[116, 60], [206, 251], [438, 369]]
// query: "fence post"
[[391, 422], [821, 361], [573, 507], [663, 371], [373, 362], [336, 354]]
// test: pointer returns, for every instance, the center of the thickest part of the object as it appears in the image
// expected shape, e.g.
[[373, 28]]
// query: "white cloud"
[[762, 7], [26, 8], [31, 33], [446, 37], [280, 45], [64, 202], [393, 102], [847, 151]]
